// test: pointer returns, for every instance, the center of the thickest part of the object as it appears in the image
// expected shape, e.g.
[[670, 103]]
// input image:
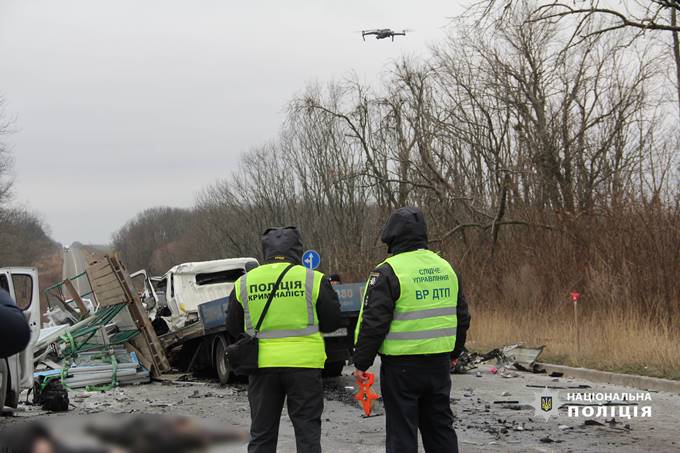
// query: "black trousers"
[[416, 397], [267, 389]]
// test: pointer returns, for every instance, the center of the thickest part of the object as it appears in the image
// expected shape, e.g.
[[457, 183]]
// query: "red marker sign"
[[575, 296]]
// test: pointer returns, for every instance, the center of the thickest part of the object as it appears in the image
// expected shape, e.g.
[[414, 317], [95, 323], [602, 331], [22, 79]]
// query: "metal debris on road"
[[580, 386], [591, 423]]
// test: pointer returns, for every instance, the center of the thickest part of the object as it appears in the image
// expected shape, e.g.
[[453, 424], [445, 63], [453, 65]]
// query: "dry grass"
[[621, 341], [624, 263]]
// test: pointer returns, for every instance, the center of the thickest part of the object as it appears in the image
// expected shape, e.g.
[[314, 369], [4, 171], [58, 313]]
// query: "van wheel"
[[224, 372]]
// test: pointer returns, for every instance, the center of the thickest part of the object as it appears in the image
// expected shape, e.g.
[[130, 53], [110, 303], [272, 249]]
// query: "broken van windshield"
[[212, 278]]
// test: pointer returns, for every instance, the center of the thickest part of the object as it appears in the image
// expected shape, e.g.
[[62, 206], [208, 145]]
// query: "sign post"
[[311, 259], [574, 298]]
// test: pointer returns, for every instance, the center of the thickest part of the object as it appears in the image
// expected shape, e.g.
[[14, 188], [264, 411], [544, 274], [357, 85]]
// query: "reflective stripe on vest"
[[311, 327], [421, 334], [422, 314], [288, 333]]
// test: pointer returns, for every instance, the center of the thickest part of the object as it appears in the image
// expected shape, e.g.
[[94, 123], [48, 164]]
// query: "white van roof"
[[211, 266]]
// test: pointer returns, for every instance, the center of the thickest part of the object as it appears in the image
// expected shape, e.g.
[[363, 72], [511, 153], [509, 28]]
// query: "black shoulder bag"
[[243, 354]]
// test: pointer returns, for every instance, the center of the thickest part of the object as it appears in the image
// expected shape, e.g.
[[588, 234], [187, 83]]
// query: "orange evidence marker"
[[366, 395]]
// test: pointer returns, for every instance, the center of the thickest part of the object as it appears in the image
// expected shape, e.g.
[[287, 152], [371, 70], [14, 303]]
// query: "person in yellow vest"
[[291, 348], [414, 315]]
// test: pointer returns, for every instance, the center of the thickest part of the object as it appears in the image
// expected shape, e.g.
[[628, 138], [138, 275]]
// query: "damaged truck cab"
[[16, 371], [188, 307]]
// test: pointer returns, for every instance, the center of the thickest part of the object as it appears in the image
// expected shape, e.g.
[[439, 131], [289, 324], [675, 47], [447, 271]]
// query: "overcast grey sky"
[[123, 105]]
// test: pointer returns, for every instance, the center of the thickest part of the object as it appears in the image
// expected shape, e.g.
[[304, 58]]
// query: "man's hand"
[[361, 376]]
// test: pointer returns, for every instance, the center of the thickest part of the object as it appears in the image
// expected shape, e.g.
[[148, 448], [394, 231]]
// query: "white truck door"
[[13, 370], [26, 293]]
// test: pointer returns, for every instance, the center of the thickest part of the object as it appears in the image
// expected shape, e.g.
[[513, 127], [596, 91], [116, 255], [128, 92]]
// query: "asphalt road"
[[75, 262], [481, 424]]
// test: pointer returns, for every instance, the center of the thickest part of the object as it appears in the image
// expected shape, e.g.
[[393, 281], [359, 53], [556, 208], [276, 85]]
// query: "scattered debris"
[[97, 370], [333, 391], [48, 335], [194, 395], [592, 423], [524, 358], [505, 373], [470, 360], [548, 440], [518, 407], [555, 387]]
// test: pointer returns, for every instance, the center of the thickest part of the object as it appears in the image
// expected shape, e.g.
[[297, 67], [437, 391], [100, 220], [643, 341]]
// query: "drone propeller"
[[375, 30]]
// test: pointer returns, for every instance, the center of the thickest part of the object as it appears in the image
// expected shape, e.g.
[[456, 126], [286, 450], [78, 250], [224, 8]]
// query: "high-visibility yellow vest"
[[289, 335], [424, 320]]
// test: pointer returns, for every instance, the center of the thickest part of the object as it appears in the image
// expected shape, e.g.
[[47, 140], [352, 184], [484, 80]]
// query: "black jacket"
[[284, 245], [405, 231], [14, 330]]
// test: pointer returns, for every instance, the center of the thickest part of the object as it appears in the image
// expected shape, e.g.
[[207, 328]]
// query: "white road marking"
[[75, 264], [75, 268]]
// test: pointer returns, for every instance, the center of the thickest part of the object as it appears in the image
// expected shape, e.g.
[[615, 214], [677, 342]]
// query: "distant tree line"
[[24, 238], [542, 167], [151, 240]]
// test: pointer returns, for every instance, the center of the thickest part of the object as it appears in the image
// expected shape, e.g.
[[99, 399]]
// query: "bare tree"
[[596, 17], [145, 241], [6, 160]]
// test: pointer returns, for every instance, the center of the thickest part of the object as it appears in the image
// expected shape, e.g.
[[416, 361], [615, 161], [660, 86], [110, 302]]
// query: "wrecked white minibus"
[[16, 371]]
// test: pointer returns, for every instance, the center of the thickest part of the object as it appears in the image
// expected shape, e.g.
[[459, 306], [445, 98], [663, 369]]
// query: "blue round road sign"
[[311, 259]]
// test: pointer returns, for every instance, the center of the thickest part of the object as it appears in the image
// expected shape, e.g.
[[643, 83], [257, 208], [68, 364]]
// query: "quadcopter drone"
[[382, 33]]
